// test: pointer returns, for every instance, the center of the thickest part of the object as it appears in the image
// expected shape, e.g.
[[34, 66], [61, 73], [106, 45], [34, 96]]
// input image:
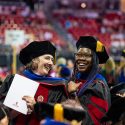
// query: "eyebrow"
[[47, 56], [83, 53]]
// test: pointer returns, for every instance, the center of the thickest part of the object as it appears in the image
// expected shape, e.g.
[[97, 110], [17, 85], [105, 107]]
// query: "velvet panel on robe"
[[50, 91], [96, 100]]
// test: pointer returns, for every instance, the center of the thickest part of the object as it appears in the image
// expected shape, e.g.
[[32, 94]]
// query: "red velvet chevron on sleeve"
[[97, 109]]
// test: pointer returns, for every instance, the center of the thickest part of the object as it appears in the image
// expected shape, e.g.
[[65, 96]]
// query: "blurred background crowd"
[[62, 22]]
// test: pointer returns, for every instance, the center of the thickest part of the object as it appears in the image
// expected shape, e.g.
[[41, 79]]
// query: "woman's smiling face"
[[45, 64], [83, 59]]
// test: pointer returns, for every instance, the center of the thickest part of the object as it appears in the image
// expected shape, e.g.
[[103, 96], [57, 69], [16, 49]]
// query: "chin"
[[82, 70], [43, 73]]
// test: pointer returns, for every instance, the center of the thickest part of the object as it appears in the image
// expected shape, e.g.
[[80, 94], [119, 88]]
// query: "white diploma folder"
[[21, 86]]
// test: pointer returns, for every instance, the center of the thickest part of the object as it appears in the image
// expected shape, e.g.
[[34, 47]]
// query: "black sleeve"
[[5, 87], [3, 91]]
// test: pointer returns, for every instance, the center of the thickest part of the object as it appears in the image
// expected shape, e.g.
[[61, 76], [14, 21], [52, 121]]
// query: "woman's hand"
[[30, 101], [4, 121], [72, 86]]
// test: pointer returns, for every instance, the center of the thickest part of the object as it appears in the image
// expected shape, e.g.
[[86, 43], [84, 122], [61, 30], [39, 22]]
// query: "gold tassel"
[[58, 112], [99, 47]]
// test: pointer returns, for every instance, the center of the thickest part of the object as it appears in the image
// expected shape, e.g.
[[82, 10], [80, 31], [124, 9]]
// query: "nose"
[[51, 62], [83, 57]]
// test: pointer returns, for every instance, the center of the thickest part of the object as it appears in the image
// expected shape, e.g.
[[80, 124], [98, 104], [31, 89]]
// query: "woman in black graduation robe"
[[87, 84], [38, 58]]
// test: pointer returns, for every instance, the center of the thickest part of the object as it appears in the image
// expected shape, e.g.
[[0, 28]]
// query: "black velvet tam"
[[115, 111], [118, 104], [95, 45], [44, 110], [118, 88], [36, 49]]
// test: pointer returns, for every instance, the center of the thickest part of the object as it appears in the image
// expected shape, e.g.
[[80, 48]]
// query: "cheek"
[[41, 65], [90, 60], [90, 63]]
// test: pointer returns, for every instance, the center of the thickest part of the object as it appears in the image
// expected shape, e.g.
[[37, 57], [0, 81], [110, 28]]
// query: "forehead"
[[84, 50], [46, 55]]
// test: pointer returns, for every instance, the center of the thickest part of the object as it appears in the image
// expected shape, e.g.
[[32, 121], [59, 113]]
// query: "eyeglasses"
[[80, 55]]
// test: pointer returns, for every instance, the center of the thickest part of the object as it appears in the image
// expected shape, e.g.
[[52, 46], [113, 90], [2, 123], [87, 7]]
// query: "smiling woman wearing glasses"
[[87, 84]]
